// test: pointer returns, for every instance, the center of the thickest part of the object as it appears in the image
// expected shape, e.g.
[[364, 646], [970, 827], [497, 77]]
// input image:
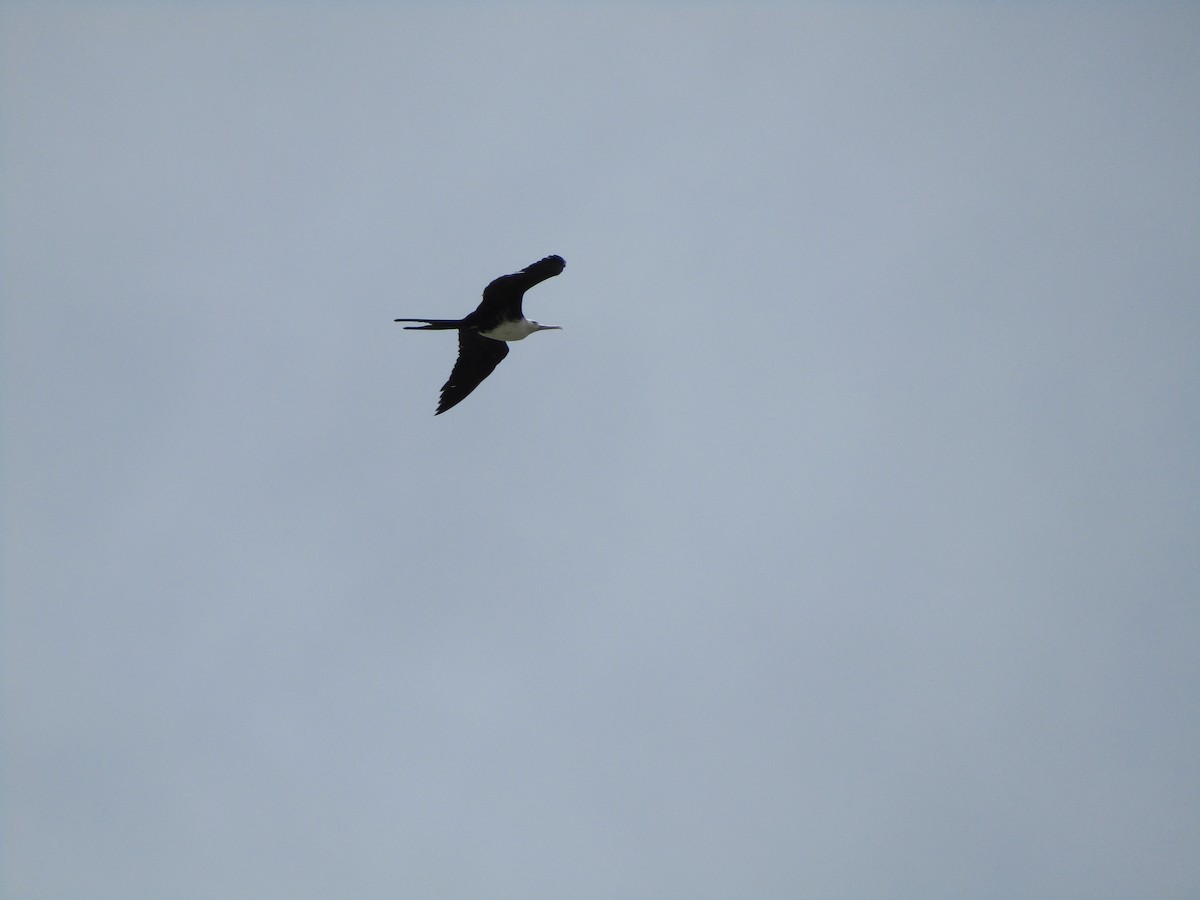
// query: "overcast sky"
[[845, 543]]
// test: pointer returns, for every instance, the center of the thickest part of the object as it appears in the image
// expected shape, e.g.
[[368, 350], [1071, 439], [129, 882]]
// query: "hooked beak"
[[549, 328]]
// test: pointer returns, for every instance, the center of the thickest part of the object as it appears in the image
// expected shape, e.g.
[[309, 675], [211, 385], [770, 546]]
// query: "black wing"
[[477, 357], [502, 298]]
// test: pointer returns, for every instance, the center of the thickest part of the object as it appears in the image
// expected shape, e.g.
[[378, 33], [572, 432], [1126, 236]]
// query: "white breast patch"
[[511, 331]]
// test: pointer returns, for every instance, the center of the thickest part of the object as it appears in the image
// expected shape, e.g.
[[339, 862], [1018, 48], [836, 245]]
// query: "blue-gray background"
[[846, 543]]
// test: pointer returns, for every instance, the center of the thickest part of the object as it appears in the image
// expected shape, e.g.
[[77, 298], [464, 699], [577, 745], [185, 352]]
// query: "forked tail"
[[431, 324]]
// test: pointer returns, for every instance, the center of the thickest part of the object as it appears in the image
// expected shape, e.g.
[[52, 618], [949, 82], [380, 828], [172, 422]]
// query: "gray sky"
[[843, 544]]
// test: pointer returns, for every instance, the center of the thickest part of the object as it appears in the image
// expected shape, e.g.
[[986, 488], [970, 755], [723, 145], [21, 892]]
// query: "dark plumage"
[[483, 335]]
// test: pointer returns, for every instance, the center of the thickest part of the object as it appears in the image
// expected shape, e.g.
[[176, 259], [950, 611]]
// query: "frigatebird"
[[483, 336]]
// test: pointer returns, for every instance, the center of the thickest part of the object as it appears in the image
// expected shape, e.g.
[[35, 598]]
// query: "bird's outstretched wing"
[[503, 296], [477, 357]]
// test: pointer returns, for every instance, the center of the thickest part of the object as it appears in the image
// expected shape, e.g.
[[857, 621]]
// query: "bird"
[[483, 335]]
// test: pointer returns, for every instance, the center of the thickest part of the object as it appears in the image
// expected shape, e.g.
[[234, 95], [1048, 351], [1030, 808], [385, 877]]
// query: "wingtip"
[[546, 263]]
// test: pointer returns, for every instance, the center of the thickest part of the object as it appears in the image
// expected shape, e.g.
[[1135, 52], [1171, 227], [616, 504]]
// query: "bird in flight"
[[483, 336]]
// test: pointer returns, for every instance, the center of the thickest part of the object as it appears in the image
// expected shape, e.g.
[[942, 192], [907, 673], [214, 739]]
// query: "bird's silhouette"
[[483, 336]]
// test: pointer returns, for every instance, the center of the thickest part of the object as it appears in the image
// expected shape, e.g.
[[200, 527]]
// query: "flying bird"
[[483, 336]]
